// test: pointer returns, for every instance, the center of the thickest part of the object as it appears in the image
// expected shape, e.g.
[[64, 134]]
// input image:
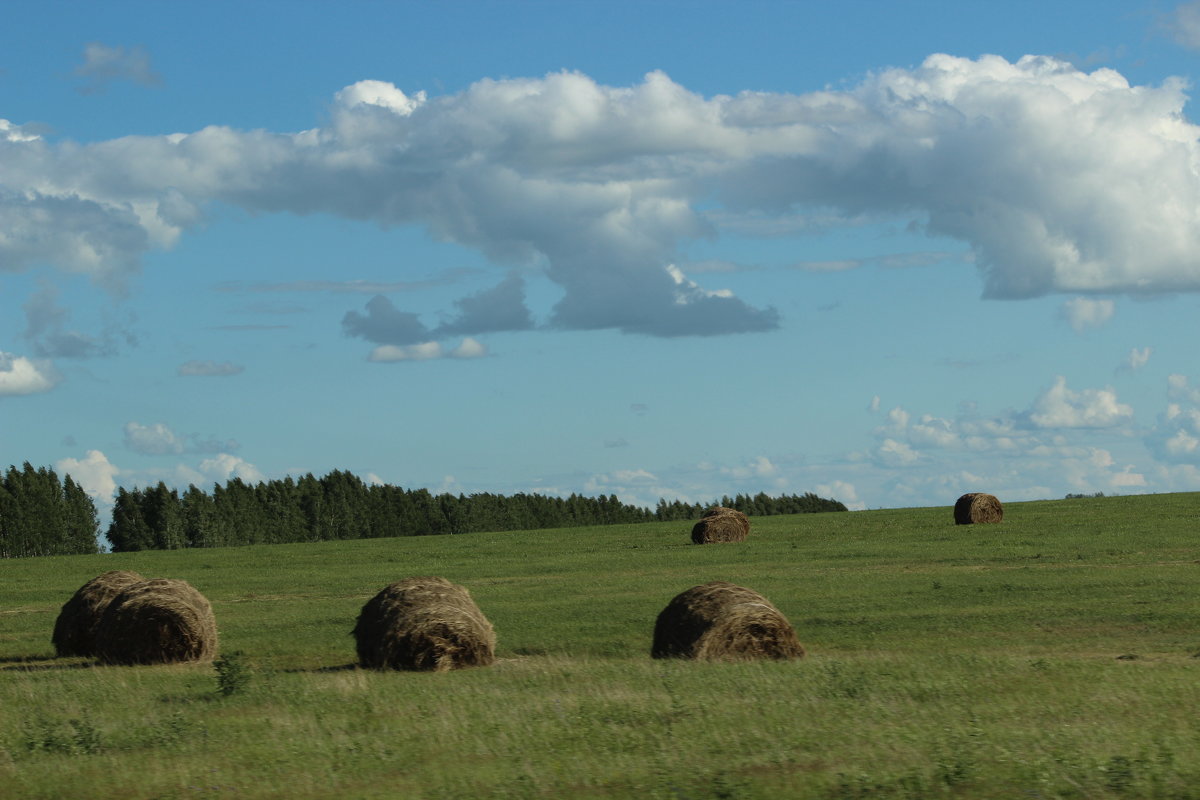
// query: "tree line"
[[41, 515], [337, 506], [760, 505], [341, 506]]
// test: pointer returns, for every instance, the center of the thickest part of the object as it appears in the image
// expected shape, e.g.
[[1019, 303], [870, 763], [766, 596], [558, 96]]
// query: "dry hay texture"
[[158, 621], [721, 524], [721, 621], [977, 507], [426, 624], [75, 629]]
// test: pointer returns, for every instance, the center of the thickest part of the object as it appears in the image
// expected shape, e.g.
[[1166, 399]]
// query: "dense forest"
[[341, 506], [43, 516], [39, 515], [760, 505]]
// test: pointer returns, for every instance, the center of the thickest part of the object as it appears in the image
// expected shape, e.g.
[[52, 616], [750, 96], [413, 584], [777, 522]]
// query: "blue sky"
[[885, 252]]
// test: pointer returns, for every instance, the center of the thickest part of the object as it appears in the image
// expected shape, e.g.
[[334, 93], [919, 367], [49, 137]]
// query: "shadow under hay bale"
[[720, 524], [158, 621], [977, 507], [426, 624], [75, 629], [722, 621]]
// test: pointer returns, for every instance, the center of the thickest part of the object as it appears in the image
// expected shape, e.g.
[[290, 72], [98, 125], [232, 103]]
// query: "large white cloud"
[[1059, 180], [225, 467], [21, 375], [94, 473], [1060, 407]]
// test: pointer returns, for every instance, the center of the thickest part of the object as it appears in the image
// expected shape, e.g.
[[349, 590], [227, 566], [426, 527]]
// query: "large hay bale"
[[75, 629], [158, 621], [977, 507], [427, 624], [721, 621], [721, 524]]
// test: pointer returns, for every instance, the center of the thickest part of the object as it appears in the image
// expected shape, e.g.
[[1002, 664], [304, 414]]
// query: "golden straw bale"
[[427, 624], [75, 629], [158, 621], [721, 621], [977, 507], [721, 524]]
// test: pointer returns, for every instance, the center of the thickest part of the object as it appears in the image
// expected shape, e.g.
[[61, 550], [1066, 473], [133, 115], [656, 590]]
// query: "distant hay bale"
[[977, 507], [721, 524], [721, 621], [158, 621], [75, 629], [426, 624]]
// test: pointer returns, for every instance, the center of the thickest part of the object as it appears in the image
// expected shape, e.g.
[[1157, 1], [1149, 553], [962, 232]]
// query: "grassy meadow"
[[1054, 655]]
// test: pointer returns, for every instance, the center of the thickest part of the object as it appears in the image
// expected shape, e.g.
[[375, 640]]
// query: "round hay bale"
[[977, 507], [721, 524], [158, 621], [75, 629], [426, 624], [722, 621]]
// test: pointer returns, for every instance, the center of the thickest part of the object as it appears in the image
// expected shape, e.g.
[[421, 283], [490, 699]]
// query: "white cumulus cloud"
[[842, 491], [93, 472], [1060, 407], [1179, 389], [892, 453], [1058, 180], [427, 351], [223, 467], [21, 375], [1175, 437]]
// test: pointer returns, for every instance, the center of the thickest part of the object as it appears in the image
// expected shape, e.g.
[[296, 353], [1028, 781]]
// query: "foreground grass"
[[1050, 656]]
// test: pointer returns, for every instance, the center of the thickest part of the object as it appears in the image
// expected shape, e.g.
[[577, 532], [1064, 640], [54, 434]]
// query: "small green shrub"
[[233, 673]]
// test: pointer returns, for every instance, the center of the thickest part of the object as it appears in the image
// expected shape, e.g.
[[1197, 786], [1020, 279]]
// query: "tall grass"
[[1050, 656]]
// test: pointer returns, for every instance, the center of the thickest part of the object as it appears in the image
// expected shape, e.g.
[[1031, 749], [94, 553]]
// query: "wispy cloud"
[[1183, 24], [210, 369], [103, 64], [1082, 313], [449, 277], [158, 439], [48, 330], [924, 258], [1138, 358]]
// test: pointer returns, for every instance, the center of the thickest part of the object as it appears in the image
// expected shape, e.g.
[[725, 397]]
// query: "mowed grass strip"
[[1052, 655]]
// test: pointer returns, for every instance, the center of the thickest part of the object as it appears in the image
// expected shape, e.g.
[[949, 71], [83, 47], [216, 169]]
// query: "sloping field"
[[1052, 655]]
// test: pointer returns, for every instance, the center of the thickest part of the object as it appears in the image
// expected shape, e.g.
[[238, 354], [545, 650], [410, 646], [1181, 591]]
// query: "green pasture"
[[1054, 655]]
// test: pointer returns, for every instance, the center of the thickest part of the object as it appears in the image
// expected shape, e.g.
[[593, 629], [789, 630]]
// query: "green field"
[[1054, 655]]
